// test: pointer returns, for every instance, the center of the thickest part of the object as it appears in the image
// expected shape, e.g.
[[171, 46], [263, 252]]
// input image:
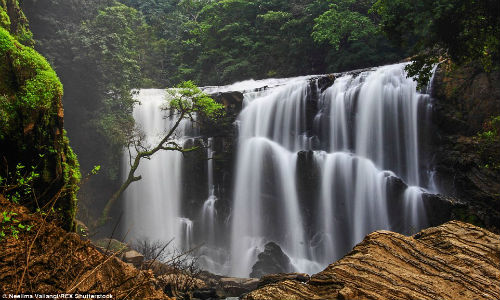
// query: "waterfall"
[[153, 204], [414, 210], [186, 234], [208, 213], [365, 132], [317, 168]]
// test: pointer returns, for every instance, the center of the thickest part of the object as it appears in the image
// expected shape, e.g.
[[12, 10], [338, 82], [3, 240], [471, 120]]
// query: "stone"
[[456, 260], [133, 257], [271, 261], [204, 294], [465, 98]]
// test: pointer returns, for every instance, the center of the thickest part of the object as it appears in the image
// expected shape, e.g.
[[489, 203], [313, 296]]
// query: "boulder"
[[227, 287], [133, 257], [232, 100], [456, 260], [271, 261]]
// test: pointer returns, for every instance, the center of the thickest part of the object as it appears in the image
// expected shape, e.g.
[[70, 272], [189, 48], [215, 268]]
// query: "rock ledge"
[[452, 261]]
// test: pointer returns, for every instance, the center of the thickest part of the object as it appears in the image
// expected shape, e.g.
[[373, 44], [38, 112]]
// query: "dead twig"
[[28, 254]]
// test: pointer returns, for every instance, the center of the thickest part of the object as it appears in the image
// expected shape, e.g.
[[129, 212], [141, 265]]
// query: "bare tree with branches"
[[183, 102]]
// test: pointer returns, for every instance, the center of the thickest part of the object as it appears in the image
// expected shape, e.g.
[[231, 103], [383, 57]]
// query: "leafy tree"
[[351, 30], [115, 37], [342, 24], [183, 102], [460, 30]]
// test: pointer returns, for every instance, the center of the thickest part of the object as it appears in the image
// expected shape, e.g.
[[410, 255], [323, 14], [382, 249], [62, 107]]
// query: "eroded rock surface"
[[452, 261]]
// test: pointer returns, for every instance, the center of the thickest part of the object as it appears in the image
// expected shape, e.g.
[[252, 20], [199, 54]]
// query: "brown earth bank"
[[47, 259], [453, 261]]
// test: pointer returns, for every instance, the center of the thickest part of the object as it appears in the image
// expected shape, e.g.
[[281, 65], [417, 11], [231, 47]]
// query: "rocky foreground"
[[452, 261], [46, 259]]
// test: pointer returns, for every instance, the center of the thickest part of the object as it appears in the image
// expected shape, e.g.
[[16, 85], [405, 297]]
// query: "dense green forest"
[[103, 49]]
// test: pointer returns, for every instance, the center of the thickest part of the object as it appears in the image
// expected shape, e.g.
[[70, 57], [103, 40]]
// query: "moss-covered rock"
[[31, 120]]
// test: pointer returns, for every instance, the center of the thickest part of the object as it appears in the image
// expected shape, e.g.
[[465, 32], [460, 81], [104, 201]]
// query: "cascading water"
[[153, 205], [316, 170], [208, 213], [367, 123]]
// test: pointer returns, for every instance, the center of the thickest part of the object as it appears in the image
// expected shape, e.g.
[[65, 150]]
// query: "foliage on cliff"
[[102, 50], [217, 42], [32, 138], [12, 18], [461, 30], [467, 142]]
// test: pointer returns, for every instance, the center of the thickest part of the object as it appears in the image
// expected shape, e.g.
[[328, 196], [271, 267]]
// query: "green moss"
[[72, 177], [17, 23], [38, 84], [39, 91], [4, 19], [488, 143], [464, 215], [6, 41], [31, 130]]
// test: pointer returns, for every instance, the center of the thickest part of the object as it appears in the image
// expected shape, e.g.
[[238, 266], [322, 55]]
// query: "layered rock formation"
[[452, 261]]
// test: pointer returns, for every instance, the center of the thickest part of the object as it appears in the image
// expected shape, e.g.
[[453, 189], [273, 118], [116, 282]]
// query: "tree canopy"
[[460, 30]]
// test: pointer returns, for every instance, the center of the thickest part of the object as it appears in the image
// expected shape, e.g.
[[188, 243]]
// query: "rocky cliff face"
[[452, 261], [466, 98], [33, 142]]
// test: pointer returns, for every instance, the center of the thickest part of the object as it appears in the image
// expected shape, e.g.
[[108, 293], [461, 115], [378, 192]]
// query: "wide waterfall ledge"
[[316, 168]]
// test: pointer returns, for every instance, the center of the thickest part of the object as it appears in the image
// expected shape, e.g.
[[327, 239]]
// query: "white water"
[[365, 133], [209, 211], [153, 204], [370, 122]]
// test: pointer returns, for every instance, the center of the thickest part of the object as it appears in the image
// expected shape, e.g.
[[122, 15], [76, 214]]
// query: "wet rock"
[[230, 100], [205, 294], [452, 261], [440, 208], [271, 261], [466, 97]]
